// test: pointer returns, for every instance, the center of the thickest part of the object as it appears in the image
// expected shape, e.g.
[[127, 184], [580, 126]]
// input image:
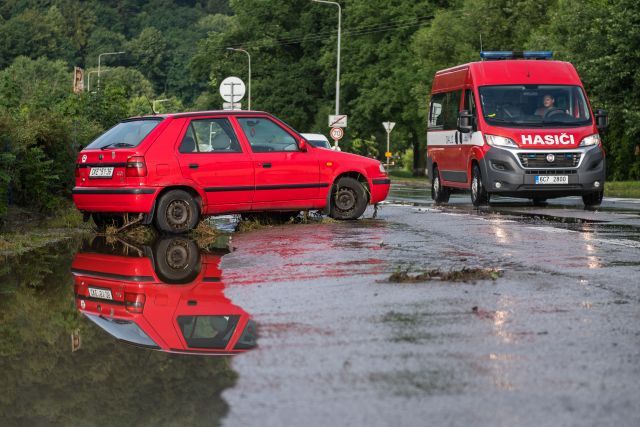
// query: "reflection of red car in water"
[[167, 297]]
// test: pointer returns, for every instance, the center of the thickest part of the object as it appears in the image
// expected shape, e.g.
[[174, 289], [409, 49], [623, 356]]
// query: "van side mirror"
[[465, 121], [602, 119], [303, 145]]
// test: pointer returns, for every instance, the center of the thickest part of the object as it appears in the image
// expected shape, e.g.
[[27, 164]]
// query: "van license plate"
[[552, 179], [100, 293], [101, 173]]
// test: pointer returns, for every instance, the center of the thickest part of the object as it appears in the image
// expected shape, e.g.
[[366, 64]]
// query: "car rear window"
[[125, 134]]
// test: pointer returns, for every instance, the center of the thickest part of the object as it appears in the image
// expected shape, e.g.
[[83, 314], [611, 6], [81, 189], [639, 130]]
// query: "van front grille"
[[549, 160]]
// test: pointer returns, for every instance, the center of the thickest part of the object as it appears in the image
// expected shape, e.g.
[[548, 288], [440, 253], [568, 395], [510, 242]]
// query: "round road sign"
[[336, 134], [232, 89]]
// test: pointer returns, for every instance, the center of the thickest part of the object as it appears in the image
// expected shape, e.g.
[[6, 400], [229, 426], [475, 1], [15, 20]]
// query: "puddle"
[[120, 337]]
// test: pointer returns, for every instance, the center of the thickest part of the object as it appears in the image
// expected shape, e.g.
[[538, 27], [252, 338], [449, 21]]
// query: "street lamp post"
[[99, 59], [338, 65], [248, 56]]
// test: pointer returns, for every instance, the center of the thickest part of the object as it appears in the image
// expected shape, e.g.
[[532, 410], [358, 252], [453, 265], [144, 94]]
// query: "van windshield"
[[125, 134], [534, 106]]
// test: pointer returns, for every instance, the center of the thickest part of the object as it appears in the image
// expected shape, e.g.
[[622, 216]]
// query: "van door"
[[466, 139], [443, 136], [211, 156]]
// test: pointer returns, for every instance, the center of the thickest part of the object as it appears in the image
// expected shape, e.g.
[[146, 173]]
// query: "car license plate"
[[100, 293], [101, 172], [552, 179]]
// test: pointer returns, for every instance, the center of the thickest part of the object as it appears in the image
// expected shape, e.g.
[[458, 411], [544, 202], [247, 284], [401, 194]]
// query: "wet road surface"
[[554, 339]]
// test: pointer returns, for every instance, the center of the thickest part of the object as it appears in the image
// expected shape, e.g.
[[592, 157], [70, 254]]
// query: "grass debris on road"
[[463, 275]]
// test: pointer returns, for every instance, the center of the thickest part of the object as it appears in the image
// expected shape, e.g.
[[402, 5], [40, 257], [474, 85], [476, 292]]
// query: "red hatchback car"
[[173, 169]]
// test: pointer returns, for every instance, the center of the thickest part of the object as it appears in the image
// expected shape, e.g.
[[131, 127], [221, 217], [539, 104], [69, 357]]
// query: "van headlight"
[[382, 169], [590, 140], [500, 141]]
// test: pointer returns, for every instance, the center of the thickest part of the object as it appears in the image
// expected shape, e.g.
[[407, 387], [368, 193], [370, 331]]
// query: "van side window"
[[443, 111], [451, 110], [436, 118], [210, 136]]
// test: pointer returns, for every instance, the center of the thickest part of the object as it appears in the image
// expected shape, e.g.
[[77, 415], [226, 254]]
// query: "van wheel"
[[349, 199], [593, 199], [102, 221], [177, 260], [439, 193], [479, 195], [177, 212]]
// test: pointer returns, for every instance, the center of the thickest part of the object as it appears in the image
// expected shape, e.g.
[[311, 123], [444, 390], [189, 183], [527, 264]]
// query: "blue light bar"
[[508, 54]]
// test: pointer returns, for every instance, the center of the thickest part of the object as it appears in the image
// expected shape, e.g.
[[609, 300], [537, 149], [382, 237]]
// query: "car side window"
[[210, 136], [264, 135]]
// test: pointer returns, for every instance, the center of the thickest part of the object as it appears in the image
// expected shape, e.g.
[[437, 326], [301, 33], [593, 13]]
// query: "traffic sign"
[[232, 89], [338, 121], [388, 126], [336, 134]]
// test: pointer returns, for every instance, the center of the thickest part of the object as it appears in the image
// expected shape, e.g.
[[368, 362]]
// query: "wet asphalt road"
[[555, 341]]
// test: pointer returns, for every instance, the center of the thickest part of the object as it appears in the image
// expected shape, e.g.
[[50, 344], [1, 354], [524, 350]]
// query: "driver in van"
[[548, 103]]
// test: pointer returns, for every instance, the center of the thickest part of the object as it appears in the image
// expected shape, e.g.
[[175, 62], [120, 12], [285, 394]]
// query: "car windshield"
[[534, 105], [125, 134], [124, 330]]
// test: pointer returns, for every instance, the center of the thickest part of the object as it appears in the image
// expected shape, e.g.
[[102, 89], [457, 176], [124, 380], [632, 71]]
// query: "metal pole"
[[99, 60], [338, 59], [388, 133], [248, 56]]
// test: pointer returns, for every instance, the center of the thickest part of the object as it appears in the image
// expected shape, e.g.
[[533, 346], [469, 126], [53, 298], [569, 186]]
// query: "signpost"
[[232, 90], [388, 126]]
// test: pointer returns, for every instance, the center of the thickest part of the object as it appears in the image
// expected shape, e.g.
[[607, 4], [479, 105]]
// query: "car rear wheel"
[[479, 194], [593, 199], [439, 193], [177, 212], [349, 199]]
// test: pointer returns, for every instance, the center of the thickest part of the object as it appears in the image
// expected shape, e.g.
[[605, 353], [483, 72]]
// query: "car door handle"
[[193, 166], [266, 165]]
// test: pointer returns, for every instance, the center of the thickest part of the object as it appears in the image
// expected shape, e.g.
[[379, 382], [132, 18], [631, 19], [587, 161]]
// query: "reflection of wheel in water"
[[349, 199], [177, 260]]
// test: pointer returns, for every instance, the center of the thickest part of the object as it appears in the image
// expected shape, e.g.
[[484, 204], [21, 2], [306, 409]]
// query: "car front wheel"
[[177, 212], [349, 199], [479, 194]]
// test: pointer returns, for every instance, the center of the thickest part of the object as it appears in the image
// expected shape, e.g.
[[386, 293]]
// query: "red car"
[[168, 298], [173, 169]]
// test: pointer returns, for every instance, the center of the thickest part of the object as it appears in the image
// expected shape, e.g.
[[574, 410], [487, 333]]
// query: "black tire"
[[102, 221], [177, 260], [177, 212], [593, 199], [439, 193], [539, 201], [348, 199], [479, 194]]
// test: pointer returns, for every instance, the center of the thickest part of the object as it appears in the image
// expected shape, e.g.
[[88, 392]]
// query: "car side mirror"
[[303, 145], [602, 119], [465, 121]]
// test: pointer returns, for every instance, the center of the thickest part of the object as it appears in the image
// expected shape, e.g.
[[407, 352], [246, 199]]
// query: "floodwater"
[[299, 324]]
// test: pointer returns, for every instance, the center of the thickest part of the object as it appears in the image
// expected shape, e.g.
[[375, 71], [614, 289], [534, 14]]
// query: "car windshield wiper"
[[117, 144], [513, 122]]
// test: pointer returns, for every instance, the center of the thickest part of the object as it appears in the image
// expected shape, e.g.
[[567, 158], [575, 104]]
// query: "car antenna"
[[150, 104]]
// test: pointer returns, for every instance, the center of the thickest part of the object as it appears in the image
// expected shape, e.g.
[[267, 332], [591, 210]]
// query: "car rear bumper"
[[379, 189], [504, 175], [114, 199]]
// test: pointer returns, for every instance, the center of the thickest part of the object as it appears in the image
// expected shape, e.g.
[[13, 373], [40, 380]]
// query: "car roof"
[[201, 113]]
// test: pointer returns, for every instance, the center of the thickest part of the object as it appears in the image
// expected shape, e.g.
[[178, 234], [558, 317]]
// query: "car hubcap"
[[178, 213], [474, 187], [345, 199], [436, 185]]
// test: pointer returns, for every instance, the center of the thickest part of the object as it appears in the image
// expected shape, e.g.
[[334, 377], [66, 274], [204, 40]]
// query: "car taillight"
[[134, 303], [136, 166]]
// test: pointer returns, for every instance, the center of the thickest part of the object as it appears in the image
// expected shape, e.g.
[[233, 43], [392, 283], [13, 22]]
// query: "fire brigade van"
[[515, 124], [167, 296], [173, 169]]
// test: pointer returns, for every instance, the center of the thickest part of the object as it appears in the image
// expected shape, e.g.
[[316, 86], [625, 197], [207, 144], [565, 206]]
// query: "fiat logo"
[[551, 158]]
